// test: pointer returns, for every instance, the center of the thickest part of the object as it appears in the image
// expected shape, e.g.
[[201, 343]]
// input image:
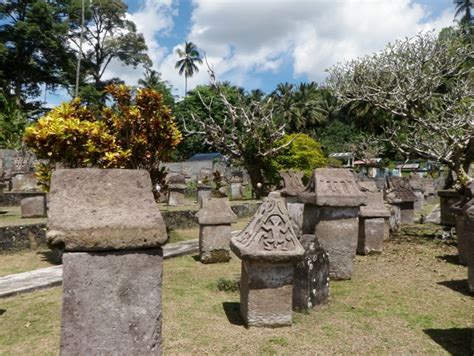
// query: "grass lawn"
[[12, 217], [411, 299], [27, 260]]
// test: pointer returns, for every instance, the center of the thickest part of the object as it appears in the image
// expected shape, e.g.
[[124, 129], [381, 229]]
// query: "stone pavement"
[[52, 276]]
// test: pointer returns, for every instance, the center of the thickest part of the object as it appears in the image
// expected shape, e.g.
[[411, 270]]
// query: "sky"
[[260, 43]]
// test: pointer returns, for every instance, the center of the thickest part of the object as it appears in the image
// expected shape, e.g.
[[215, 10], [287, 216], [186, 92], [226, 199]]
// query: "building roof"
[[205, 156], [408, 166], [341, 155]]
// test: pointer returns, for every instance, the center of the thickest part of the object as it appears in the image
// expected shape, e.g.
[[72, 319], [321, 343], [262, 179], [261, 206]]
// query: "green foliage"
[[152, 80], [137, 133], [192, 105], [227, 285], [302, 154], [12, 124], [35, 50]]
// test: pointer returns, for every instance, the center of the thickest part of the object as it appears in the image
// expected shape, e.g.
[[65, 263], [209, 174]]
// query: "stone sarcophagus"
[[110, 227], [400, 194], [292, 185], [331, 212], [373, 220], [417, 188], [176, 187], [268, 248], [311, 276], [236, 187], [215, 219]]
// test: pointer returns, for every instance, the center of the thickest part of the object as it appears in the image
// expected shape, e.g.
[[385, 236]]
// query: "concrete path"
[[53, 276]]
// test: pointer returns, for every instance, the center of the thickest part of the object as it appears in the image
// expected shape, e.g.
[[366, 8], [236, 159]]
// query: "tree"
[[13, 122], [152, 80], [247, 134], [194, 103], [35, 51], [426, 88], [464, 8], [108, 35], [187, 62], [302, 154], [138, 132]]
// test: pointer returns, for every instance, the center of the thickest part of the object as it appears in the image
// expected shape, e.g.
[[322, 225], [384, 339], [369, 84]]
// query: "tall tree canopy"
[[34, 50], [108, 36], [187, 62], [425, 85]]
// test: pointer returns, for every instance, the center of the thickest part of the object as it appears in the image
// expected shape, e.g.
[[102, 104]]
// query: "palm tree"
[[464, 6], [187, 62]]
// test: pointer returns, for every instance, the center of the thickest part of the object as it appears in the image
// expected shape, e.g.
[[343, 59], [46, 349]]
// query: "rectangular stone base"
[[176, 197], [266, 294], [214, 243], [371, 235], [407, 213], [112, 303]]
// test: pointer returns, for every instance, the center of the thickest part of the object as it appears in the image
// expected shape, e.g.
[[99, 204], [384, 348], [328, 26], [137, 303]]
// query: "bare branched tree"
[[247, 134], [426, 84]]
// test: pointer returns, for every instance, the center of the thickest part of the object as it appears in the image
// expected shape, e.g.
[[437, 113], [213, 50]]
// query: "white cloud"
[[247, 36]]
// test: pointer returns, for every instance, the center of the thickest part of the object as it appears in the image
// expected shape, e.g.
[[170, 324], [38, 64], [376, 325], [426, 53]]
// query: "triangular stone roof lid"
[[216, 211], [269, 235], [375, 206]]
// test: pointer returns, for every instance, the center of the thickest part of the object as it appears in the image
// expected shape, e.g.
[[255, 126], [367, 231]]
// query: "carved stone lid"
[[332, 187], [292, 184], [399, 190], [216, 211], [375, 207], [103, 209], [415, 182], [269, 236]]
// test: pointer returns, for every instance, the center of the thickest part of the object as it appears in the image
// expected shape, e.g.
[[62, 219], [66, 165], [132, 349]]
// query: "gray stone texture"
[[311, 276], [337, 229], [33, 207], [399, 192], [112, 303], [268, 248], [215, 218], [236, 190], [103, 209], [24, 182], [295, 211], [371, 235], [266, 293], [469, 232], [332, 200], [395, 217], [417, 187], [447, 199], [176, 187], [203, 192], [292, 183]]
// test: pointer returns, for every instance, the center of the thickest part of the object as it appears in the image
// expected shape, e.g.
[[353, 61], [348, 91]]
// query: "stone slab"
[[371, 235], [33, 207], [103, 209], [112, 303], [30, 281], [176, 197], [266, 294], [214, 243], [311, 276]]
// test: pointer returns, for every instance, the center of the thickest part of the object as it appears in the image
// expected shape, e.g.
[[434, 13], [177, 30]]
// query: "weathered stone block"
[[447, 199], [462, 239], [337, 230], [203, 193], [266, 293], [295, 211], [420, 200], [236, 191], [112, 303], [371, 235], [311, 276], [33, 207], [24, 182], [103, 209], [407, 213], [394, 218], [176, 197], [214, 243]]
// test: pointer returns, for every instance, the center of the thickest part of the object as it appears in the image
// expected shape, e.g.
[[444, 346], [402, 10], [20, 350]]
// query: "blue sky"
[[260, 43]]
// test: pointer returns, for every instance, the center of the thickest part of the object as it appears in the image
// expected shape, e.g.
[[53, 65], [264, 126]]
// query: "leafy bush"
[[227, 285], [302, 154], [138, 132]]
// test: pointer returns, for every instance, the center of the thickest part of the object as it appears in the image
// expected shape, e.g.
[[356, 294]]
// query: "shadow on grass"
[[2, 311], [232, 311], [459, 285], [196, 258], [454, 259], [456, 341], [51, 257]]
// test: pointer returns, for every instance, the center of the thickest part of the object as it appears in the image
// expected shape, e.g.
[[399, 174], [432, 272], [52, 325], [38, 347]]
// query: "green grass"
[[13, 217], [411, 299]]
